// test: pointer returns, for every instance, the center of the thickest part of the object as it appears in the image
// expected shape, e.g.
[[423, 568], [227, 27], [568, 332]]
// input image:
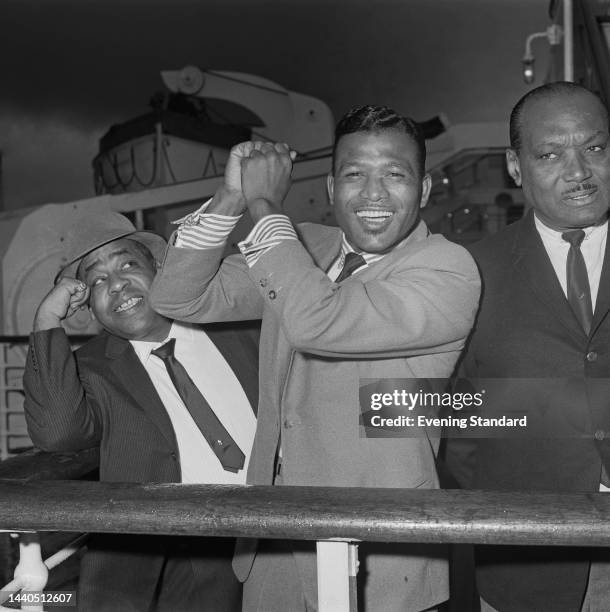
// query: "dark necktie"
[[579, 292], [225, 448], [353, 261]]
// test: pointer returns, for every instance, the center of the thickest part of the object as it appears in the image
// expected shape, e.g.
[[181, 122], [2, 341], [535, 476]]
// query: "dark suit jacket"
[[527, 336], [102, 395]]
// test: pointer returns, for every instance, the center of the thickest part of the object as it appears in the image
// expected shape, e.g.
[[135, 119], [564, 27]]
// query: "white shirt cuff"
[[267, 233], [201, 230]]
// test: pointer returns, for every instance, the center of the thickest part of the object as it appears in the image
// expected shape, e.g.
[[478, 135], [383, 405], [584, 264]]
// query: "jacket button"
[[592, 356], [271, 295], [263, 282], [288, 423], [173, 456], [599, 435]]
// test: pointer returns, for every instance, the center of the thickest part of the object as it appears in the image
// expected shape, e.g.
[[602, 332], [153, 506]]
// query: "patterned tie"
[[579, 292], [225, 448], [353, 261]]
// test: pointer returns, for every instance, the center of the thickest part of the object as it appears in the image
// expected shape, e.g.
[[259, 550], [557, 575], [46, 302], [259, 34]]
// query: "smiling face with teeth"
[[377, 188], [563, 163], [119, 275]]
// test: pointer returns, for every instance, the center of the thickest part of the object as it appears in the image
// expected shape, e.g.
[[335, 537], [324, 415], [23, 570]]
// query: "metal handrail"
[[308, 513], [35, 494], [337, 518]]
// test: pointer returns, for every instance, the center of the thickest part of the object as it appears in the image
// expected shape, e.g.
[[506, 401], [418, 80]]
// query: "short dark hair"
[[548, 90], [138, 246], [376, 118]]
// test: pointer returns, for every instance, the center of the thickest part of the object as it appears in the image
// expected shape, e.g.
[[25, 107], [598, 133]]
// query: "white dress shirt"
[[592, 248], [218, 384]]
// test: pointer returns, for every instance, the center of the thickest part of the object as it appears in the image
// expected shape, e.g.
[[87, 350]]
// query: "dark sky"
[[71, 68]]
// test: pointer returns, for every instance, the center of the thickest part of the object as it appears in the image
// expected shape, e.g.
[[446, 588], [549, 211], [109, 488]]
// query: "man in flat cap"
[[165, 402]]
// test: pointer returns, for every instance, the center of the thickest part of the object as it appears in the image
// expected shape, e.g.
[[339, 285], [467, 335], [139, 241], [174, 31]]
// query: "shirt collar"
[[373, 257], [346, 248], [181, 331], [550, 234]]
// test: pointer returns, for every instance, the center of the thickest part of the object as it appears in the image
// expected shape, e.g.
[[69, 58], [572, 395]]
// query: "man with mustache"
[[540, 345], [121, 391], [402, 310]]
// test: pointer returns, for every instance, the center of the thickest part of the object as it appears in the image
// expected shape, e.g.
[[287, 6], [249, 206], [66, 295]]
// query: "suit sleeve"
[[424, 303], [195, 285], [60, 414]]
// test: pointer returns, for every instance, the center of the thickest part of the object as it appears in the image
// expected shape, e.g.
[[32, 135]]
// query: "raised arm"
[[194, 283], [60, 414], [420, 299]]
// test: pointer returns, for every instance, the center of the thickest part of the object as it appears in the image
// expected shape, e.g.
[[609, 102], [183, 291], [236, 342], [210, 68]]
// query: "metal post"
[[31, 572], [568, 41], [337, 564], [3, 403], [159, 161]]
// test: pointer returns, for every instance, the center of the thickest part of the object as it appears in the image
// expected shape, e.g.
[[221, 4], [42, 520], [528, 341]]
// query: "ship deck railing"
[[38, 494]]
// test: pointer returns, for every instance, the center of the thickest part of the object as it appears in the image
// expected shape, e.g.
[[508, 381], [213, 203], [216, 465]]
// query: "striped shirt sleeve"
[[267, 233], [201, 230]]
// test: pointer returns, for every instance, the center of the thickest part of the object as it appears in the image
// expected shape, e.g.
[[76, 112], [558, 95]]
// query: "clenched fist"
[[265, 177], [61, 302]]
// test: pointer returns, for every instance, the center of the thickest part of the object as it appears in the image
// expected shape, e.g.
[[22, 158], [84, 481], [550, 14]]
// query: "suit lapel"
[[532, 262], [128, 369], [324, 245], [602, 304]]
